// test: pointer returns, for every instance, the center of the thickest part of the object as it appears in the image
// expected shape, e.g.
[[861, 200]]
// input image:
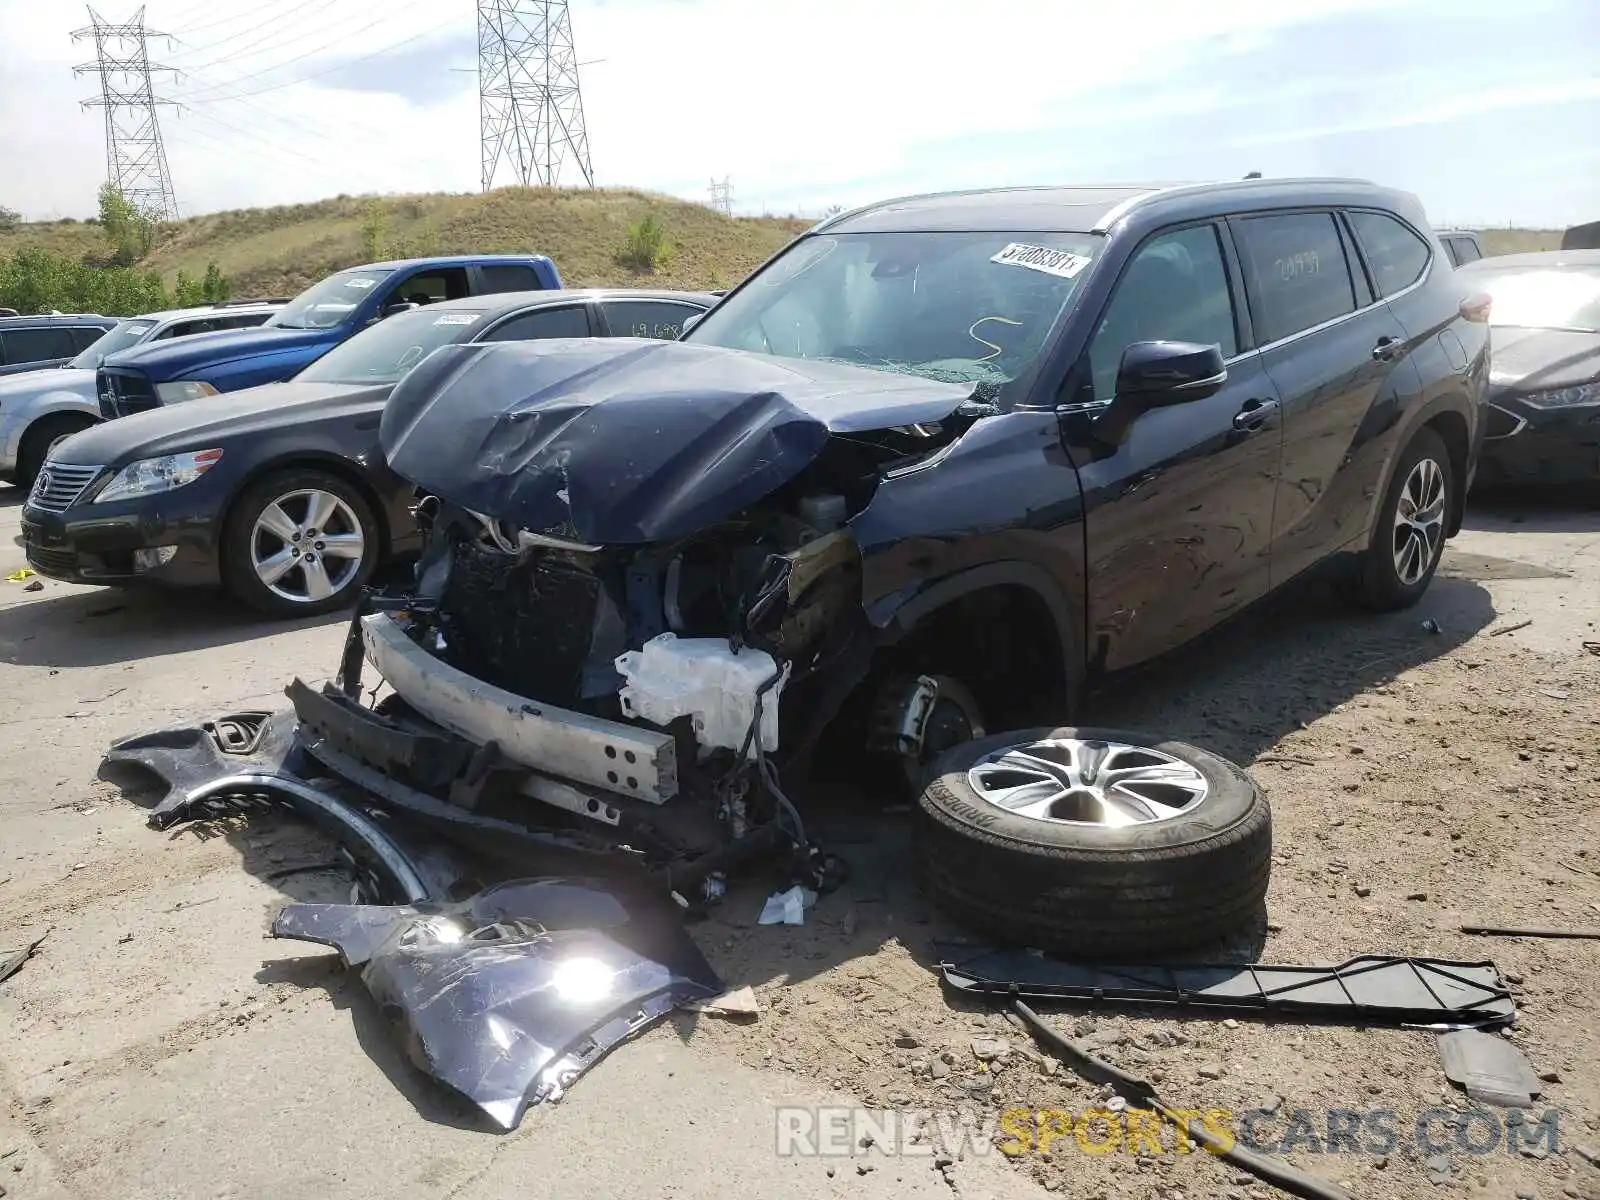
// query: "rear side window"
[[1465, 250], [1397, 254], [37, 345], [570, 321], [647, 318], [180, 329], [1297, 270], [84, 336], [502, 278]]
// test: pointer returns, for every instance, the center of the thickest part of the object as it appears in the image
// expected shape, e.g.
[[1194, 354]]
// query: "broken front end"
[[639, 602]]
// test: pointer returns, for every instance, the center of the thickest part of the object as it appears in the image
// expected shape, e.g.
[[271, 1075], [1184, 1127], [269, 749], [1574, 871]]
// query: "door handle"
[[1254, 415], [1386, 349]]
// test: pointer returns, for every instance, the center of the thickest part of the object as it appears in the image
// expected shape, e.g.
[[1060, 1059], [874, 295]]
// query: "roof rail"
[[259, 300]]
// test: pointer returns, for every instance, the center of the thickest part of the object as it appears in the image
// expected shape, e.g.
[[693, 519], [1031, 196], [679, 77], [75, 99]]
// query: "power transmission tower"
[[529, 101], [722, 196], [136, 161]]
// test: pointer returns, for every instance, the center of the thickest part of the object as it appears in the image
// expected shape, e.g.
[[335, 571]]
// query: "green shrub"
[[645, 248]]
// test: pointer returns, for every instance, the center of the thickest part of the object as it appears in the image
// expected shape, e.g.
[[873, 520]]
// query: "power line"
[[136, 160], [530, 103], [341, 66], [250, 31]]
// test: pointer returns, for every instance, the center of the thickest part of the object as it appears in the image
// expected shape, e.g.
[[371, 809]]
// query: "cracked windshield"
[[960, 307]]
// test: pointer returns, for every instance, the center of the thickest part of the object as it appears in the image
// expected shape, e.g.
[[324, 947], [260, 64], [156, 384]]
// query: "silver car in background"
[[40, 408]]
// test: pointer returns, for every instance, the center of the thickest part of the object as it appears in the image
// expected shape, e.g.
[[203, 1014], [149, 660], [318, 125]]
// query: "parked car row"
[[39, 409], [279, 492], [1346, 339]]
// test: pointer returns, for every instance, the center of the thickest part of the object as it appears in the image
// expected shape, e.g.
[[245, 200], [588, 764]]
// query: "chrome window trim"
[[1427, 274]]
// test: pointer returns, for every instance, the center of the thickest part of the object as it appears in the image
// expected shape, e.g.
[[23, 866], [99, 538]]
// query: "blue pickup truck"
[[310, 325]]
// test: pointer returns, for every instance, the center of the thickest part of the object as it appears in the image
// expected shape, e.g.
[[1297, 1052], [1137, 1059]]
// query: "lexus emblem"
[[41, 483]]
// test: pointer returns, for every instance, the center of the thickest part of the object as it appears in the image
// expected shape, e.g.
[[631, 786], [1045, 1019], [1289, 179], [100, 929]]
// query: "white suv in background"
[[40, 408]]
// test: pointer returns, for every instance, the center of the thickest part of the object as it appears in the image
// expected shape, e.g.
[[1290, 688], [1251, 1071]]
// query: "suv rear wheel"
[[1408, 540]]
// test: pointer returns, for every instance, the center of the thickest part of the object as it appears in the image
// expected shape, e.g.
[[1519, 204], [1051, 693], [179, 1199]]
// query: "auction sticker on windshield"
[[359, 284], [1064, 263], [456, 318]]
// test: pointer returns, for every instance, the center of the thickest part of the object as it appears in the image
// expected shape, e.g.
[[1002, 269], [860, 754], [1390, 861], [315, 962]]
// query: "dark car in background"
[[280, 492], [311, 324], [1461, 246], [1543, 424], [34, 343]]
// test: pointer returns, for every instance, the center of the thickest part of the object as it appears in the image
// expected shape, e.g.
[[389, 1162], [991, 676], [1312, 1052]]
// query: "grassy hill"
[[278, 251]]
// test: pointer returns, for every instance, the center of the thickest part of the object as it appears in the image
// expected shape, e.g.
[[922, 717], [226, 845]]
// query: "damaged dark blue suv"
[[920, 477]]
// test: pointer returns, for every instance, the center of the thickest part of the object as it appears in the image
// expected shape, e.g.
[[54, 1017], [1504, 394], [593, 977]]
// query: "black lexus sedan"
[[280, 493], [1543, 422]]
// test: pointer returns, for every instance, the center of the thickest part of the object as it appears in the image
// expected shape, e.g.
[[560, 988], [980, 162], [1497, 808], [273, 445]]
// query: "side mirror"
[[690, 322], [397, 306], [1159, 375]]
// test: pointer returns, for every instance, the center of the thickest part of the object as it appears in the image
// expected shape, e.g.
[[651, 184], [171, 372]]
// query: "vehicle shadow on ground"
[[114, 626], [1237, 692]]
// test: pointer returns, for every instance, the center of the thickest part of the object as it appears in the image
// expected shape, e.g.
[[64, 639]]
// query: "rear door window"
[[571, 320], [1397, 254], [505, 277], [84, 336], [430, 287], [1296, 272], [1466, 250], [647, 318], [37, 345]]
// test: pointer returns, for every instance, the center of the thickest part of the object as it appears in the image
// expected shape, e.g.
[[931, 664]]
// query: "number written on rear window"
[[647, 318], [1297, 270]]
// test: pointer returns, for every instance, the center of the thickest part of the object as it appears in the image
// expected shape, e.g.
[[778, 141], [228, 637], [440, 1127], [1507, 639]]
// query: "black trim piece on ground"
[[1369, 987]]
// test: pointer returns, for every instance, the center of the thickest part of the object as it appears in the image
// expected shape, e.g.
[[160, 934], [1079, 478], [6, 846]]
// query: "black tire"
[[1094, 891], [1378, 584], [41, 438], [238, 571]]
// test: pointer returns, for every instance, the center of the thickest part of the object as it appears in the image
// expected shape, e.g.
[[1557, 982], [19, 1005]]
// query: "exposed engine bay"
[[733, 645]]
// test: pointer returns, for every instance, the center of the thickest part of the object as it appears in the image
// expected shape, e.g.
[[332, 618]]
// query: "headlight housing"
[[1567, 397], [151, 475], [187, 389]]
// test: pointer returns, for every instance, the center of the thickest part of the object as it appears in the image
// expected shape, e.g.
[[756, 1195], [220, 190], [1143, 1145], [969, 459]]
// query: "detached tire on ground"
[[1098, 843], [299, 542]]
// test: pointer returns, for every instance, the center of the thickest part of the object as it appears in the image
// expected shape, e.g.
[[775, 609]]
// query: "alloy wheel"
[[1418, 522], [1105, 783], [307, 545]]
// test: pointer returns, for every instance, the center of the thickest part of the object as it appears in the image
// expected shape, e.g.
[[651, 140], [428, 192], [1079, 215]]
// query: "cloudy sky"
[[1487, 110]]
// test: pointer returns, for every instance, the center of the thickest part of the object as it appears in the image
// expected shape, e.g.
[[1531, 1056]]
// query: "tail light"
[[1475, 307]]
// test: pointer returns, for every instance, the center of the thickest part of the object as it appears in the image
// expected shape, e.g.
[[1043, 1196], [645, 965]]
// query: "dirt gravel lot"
[[156, 1046]]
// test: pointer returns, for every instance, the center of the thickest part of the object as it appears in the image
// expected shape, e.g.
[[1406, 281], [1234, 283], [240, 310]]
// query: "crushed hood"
[[630, 440]]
